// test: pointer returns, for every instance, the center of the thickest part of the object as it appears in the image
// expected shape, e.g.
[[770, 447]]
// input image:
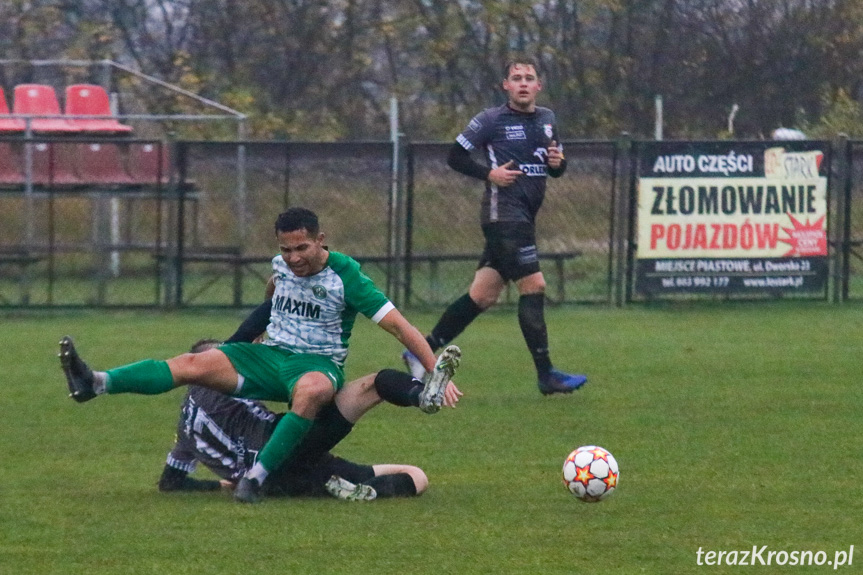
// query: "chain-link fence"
[[79, 229], [227, 234], [191, 224], [202, 233], [416, 229], [573, 228]]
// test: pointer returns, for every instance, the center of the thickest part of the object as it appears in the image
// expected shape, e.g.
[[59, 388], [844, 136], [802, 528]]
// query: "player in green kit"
[[316, 296]]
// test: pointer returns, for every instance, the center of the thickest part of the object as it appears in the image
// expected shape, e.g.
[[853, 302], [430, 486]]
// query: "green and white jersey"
[[316, 314]]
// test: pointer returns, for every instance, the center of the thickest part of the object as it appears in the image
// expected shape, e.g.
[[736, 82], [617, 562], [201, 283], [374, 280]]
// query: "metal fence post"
[[395, 202], [30, 207], [409, 223], [242, 210], [180, 193], [631, 165], [620, 226], [843, 246], [171, 262]]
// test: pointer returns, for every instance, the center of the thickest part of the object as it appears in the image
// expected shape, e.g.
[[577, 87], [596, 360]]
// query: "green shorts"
[[271, 372]]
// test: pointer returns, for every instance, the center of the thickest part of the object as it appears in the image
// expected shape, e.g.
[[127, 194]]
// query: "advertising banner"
[[723, 217]]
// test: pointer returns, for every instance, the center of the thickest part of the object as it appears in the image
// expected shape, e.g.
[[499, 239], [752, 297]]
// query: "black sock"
[[254, 325], [531, 318], [398, 388], [454, 320], [394, 485], [328, 429]]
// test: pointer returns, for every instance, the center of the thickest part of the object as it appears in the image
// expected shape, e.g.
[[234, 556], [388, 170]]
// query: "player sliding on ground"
[[316, 295], [225, 433]]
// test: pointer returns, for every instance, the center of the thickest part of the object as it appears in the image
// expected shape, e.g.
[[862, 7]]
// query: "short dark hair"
[[520, 59], [294, 219], [205, 344]]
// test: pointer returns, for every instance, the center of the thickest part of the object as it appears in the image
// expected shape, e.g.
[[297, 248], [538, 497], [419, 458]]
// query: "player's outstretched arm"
[[396, 324]]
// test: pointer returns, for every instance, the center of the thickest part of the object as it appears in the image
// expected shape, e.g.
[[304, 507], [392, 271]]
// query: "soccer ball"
[[590, 473]]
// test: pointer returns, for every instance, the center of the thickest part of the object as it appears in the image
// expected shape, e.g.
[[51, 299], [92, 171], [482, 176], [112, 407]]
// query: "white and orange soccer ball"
[[591, 473]]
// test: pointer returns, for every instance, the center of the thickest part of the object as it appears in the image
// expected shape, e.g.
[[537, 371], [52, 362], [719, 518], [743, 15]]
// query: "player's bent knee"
[[533, 291], [190, 367], [314, 387], [421, 480], [532, 284], [484, 301], [399, 480], [484, 297]]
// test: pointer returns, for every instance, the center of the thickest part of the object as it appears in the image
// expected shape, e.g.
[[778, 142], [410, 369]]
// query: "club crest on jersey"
[[548, 130], [319, 291]]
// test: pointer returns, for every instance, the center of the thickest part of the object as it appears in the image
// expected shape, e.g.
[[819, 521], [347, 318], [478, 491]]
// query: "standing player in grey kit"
[[520, 142]]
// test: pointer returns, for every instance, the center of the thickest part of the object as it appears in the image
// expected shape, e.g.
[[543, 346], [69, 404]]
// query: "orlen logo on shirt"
[[532, 169]]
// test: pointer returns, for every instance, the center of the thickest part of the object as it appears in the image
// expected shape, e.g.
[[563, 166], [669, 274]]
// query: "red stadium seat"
[[92, 100], [101, 163], [11, 164], [8, 124], [54, 164], [41, 100], [148, 163]]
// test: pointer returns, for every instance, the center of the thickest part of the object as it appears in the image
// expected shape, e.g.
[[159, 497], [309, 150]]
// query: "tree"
[[326, 69]]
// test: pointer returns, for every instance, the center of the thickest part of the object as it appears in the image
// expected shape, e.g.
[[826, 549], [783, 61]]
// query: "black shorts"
[[510, 249], [302, 480]]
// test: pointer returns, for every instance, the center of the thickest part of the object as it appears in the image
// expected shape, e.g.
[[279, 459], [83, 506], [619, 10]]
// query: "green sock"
[[287, 435], [148, 377]]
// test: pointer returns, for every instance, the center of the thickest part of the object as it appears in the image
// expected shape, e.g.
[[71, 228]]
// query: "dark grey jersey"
[[504, 134], [202, 436], [226, 433]]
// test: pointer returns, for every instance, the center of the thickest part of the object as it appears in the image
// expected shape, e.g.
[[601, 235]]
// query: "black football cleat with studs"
[[79, 377]]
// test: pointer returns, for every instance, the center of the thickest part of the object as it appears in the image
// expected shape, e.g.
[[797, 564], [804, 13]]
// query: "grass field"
[[734, 425]]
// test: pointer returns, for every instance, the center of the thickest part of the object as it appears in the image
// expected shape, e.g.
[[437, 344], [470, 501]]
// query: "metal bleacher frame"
[[102, 190], [32, 249]]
